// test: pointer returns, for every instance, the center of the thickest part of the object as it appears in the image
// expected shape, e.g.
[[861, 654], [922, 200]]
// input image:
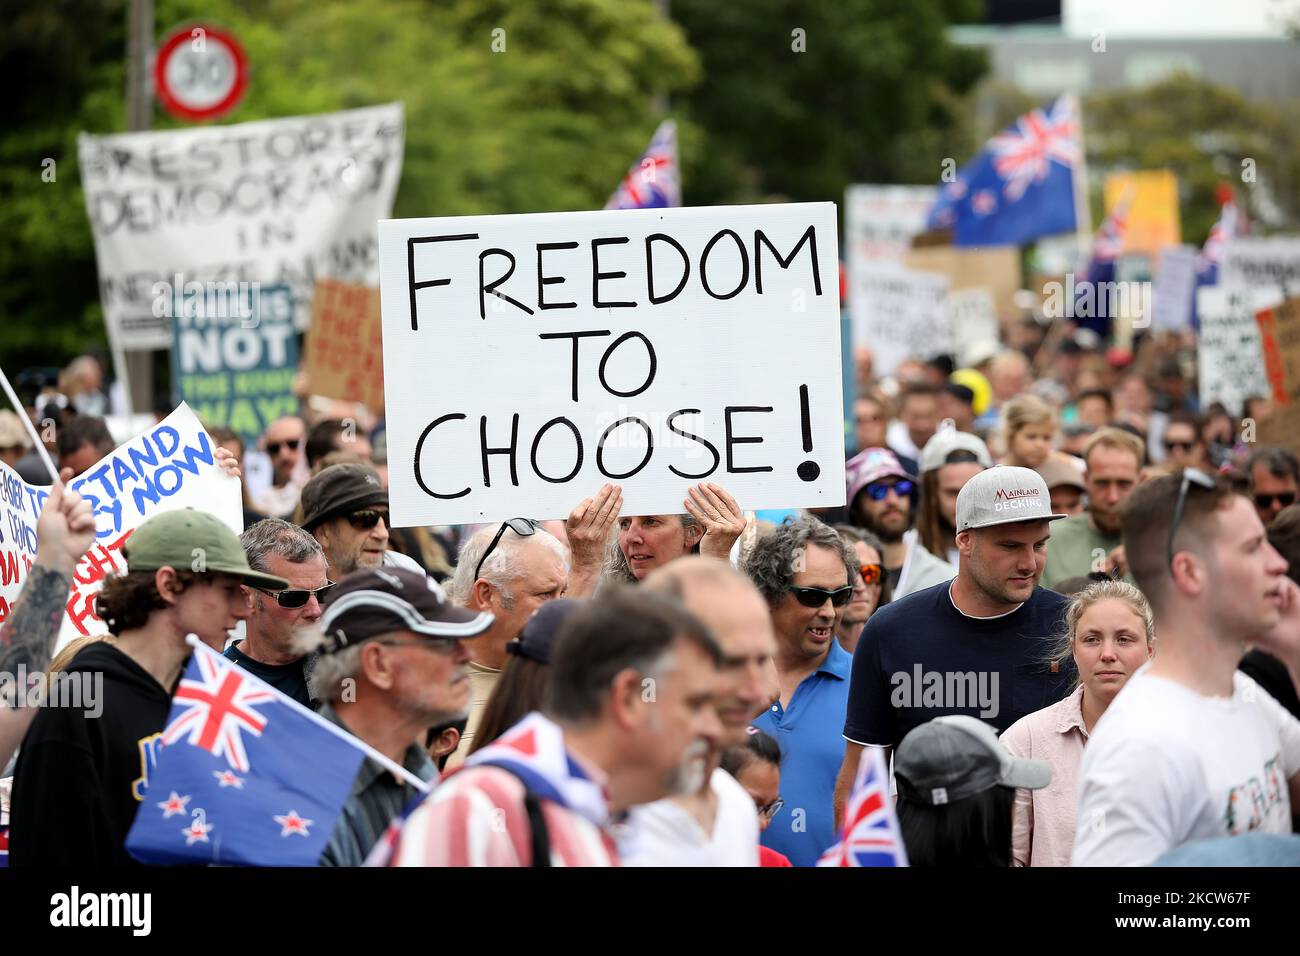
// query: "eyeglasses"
[[294, 598], [273, 447], [879, 490], [1179, 445], [367, 518], [770, 810], [520, 526], [870, 573], [816, 597], [1285, 499], [1191, 476]]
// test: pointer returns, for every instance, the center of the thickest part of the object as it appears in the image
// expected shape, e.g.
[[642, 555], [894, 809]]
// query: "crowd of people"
[[1059, 601]]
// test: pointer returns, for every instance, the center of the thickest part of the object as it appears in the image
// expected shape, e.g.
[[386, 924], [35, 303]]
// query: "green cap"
[[186, 539]]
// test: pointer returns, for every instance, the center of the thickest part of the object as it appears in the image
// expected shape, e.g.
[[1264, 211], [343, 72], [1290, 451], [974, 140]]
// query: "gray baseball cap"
[[947, 439], [1002, 495], [954, 757]]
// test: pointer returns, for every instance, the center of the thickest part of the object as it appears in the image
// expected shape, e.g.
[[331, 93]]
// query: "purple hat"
[[870, 466]]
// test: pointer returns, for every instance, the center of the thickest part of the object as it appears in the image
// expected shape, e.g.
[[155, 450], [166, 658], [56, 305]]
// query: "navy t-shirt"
[[920, 658], [288, 679]]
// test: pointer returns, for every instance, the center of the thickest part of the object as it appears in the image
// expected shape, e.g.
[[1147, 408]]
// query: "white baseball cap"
[[1002, 495]]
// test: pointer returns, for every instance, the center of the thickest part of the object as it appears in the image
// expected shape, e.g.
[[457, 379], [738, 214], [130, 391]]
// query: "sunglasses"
[[367, 518], [520, 526], [768, 811], [294, 598], [1191, 476], [880, 490], [816, 597], [1179, 445], [1285, 499], [870, 573], [273, 447]]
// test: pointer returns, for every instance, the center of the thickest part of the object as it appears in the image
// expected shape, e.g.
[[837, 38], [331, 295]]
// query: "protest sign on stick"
[[170, 466], [1229, 351], [1174, 289], [275, 201], [345, 354], [1262, 263], [530, 359], [900, 315], [235, 366]]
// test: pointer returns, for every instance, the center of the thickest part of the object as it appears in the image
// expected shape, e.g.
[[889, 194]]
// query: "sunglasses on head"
[[1191, 476], [816, 597], [520, 526], [879, 490], [294, 598], [273, 447], [870, 573], [367, 518], [1285, 499]]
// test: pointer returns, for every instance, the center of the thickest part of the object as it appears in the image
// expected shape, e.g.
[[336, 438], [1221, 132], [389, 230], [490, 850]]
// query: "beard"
[[689, 775], [1106, 522]]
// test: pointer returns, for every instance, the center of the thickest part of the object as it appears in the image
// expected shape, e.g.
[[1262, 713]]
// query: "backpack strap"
[[539, 834]]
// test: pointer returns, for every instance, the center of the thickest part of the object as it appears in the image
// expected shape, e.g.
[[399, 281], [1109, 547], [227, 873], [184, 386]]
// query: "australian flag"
[[245, 775], [1020, 185], [871, 836], [654, 181]]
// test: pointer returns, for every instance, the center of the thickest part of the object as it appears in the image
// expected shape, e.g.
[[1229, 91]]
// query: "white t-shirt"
[[1166, 766], [664, 834]]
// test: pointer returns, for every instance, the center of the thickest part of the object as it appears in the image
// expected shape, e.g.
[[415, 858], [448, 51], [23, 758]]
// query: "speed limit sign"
[[200, 73]]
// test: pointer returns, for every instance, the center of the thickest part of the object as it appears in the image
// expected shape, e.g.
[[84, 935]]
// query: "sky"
[[1163, 18]]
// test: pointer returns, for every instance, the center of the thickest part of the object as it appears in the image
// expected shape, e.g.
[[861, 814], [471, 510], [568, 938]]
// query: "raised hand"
[[588, 529], [720, 517]]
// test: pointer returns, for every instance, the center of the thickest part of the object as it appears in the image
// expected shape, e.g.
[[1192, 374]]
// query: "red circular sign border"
[[174, 106]]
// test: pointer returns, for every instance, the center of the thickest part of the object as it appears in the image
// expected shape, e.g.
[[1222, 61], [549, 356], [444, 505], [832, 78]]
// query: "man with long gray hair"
[[268, 649], [509, 571]]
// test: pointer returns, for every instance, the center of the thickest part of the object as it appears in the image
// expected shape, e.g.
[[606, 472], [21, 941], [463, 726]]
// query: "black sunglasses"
[[520, 526], [1285, 499], [273, 447], [1180, 445], [816, 597], [1191, 476], [294, 598], [367, 518]]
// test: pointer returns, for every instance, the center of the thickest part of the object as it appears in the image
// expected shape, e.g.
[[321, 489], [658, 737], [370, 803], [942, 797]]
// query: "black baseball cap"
[[537, 639], [340, 490], [378, 601]]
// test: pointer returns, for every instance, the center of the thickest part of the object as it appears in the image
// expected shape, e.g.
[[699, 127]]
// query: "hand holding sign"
[[66, 528], [722, 519], [588, 529]]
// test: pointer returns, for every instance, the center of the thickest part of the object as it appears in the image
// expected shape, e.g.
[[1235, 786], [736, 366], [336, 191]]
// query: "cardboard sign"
[[170, 466], [900, 315], [235, 368], [1175, 289], [345, 352], [1281, 427], [1152, 222], [1262, 264], [277, 201], [974, 323], [530, 359], [1229, 353], [995, 268], [1279, 330]]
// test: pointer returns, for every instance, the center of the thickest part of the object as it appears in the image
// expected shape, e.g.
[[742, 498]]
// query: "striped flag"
[[654, 181], [871, 836]]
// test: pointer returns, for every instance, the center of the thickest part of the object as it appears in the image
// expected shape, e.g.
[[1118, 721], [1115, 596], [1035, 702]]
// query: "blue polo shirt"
[[812, 749]]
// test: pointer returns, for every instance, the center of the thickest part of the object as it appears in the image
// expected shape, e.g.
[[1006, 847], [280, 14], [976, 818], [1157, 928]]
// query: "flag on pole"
[[871, 836], [654, 181], [1229, 226], [1020, 186], [244, 775], [1094, 312]]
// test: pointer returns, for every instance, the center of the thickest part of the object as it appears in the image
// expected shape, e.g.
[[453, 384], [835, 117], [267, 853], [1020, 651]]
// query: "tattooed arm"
[[64, 531]]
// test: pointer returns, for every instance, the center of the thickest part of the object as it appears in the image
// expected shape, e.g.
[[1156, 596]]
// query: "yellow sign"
[[1153, 211]]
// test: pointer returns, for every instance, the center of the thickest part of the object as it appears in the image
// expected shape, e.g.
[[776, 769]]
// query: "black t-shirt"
[[920, 658], [80, 779], [288, 679]]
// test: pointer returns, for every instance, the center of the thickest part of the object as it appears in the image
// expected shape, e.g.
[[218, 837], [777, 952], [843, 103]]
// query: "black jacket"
[[79, 779]]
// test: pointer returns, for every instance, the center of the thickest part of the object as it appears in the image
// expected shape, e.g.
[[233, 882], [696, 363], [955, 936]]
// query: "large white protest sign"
[[899, 315], [284, 201], [530, 359], [170, 466], [881, 221], [1229, 352], [1175, 287], [973, 318], [1270, 263]]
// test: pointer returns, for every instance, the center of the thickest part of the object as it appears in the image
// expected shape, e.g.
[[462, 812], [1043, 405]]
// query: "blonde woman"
[[1028, 430], [1110, 633]]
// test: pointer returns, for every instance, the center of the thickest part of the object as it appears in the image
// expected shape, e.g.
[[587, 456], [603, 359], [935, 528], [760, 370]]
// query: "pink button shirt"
[[1042, 832]]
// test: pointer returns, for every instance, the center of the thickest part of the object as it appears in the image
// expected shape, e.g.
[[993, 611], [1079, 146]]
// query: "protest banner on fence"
[[1252, 263], [235, 367], [881, 221], [276, 201], [1152, 220], [530, 359], [900, 314], [345, 353], [996, 268], [1279, 331], [1174, 289], [974, 322], [170, 466], [1229, 350]]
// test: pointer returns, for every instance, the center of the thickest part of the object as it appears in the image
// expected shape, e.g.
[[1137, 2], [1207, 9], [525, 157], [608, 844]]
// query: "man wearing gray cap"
[[977, 645]]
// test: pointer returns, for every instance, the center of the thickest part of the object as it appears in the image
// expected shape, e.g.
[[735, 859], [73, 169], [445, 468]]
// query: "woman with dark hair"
[[871, 589], [526, 675], [756, 765], [956, 788]]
